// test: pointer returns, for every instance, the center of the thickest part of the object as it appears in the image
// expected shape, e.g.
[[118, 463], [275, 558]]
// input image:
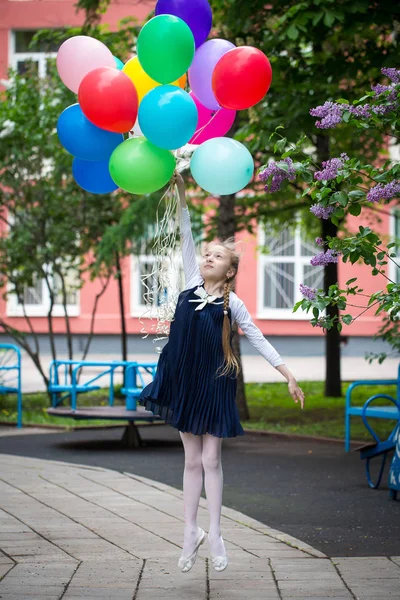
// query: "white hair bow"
[[204, 299]]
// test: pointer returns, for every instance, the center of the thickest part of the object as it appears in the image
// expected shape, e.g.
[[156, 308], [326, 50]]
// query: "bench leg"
[[131, 436], [347, 433], [393, 494]]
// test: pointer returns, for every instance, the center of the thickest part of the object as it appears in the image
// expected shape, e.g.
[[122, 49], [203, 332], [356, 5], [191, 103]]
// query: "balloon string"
[[163, 292], [199, 131]]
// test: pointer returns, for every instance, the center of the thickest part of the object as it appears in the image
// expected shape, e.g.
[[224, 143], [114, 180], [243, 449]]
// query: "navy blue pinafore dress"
[[186, 391]]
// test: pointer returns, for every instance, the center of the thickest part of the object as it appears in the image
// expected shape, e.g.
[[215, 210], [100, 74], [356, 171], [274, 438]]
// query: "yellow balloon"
[[142, 82]]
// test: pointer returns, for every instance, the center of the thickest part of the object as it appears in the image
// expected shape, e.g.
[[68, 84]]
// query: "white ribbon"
[[204, 299]]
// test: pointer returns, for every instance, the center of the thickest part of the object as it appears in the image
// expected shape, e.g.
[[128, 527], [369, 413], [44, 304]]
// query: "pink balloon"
[[79, 55], [211, 123]]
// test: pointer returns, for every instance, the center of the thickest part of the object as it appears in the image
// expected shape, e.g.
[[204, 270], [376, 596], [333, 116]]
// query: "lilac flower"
[[384, 110], [391, 99], [393, 74], [362, 112], [309, 293], [278, 175], [322, 212], [330, 114], [331, 168], [324, 258], [384, 192], [319, 241]]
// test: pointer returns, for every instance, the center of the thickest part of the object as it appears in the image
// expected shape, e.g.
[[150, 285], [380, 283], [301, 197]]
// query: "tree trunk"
[[333, 383], [227, 228], [122, 309]]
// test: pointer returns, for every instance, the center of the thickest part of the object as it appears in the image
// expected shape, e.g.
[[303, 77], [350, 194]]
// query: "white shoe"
[[219, 563], [185, 564]]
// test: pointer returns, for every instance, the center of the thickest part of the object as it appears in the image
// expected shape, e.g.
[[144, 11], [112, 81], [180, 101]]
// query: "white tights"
[[202, 451]]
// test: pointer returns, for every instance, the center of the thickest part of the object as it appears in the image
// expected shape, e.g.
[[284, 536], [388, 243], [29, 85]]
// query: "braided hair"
[[231, 364]]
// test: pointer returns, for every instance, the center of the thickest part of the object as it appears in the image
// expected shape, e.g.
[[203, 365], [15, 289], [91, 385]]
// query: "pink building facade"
[[267, 283]]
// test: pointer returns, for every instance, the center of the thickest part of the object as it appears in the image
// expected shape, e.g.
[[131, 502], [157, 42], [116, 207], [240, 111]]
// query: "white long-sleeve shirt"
[[239, 312]]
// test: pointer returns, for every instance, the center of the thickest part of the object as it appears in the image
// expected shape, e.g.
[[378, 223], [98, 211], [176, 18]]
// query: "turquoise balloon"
[[118, 63], [168, 117], [222, 166]]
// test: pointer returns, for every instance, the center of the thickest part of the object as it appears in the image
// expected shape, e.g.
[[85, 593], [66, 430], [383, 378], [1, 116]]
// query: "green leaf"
[[351, 280], [307, 176], [292, 32], [346, 116], [340, 197], [355, 209], [280, 146], [347, 319], [329, 18], [356, 194], [338, 212]]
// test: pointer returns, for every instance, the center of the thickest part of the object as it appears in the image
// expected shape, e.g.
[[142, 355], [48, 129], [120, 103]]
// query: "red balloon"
[[108, 98], [241, 78]]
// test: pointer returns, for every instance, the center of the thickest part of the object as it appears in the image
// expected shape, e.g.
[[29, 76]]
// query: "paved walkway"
[[76, 532]]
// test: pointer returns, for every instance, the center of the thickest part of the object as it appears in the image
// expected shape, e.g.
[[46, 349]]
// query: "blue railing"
[[10, 375], [64, 385]]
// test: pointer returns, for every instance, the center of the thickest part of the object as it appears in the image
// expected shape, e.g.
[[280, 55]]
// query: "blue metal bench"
[[390, 411], [394, 472], [379, 448], [10, 375], [134, 374], [68, 387]]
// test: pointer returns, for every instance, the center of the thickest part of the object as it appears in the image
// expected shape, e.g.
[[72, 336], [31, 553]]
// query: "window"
[[282, 270], [394, 272], [36, 299], [21, 54], [143, 265]]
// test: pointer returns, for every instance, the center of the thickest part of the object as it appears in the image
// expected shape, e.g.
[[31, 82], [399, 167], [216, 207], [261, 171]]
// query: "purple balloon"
[[202, 67], [197, 15]]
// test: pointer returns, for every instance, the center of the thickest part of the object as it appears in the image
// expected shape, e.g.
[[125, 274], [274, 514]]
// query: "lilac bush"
[[343, 186]]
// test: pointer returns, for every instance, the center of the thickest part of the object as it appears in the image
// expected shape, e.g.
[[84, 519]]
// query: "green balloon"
[[139, 167], [165, 48]]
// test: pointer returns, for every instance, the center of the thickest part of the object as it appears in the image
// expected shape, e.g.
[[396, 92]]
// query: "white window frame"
[[39, 57], [394, 153], [300, 261], [392, 233]]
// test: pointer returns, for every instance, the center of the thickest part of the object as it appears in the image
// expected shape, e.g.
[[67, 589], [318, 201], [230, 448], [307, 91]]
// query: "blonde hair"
[[231, 364]]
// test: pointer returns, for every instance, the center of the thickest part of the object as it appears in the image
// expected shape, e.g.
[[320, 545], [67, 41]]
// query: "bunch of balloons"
[[146, 99]]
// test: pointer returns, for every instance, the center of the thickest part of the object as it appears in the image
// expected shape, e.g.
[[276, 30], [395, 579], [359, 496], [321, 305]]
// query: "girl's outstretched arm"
[[256, 337], [190, 266]]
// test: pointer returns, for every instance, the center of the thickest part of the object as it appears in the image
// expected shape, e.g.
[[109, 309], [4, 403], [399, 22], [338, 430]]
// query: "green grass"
[[271, 409]]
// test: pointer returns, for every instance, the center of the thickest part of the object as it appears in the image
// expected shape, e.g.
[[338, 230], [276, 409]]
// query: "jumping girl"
[[194, 388]]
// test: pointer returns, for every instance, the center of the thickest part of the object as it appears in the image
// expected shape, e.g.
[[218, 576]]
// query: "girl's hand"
[[296, 392], [177, 179]]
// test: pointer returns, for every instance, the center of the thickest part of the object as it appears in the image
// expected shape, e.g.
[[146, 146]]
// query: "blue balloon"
[[119, 64], [84, 140], [93, 176], [168, 117], [222, 166]]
